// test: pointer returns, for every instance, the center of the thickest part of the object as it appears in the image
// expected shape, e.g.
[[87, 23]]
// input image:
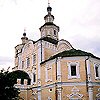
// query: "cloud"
[[79, 22], [5, 62], [89, 44]]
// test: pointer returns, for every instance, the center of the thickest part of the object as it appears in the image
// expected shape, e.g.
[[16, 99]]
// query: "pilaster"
[[59, 93], [59, 69], [88, 70], [39, 94], [90, 92]]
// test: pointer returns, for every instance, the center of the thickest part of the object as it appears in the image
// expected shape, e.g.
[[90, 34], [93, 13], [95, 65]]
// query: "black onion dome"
[[24, 34], [49, 9]]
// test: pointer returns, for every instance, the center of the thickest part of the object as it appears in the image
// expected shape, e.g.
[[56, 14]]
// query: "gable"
[[63, 45], [28, 48]]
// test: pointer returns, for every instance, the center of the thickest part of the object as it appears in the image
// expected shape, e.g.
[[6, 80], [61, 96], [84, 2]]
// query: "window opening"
[[34, 77], [22, 64], [96, 71], [34, 58], [54, 32], [73, 70], [28, 62]]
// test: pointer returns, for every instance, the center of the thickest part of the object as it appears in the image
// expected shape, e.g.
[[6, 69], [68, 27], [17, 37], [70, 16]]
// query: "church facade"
[[56, 69]]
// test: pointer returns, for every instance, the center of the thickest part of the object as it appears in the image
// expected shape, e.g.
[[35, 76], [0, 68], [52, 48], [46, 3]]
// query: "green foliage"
[[18, 74], [7, 89]]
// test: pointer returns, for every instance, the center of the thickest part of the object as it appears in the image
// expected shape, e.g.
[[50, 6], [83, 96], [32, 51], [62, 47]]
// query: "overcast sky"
[[79, 22]]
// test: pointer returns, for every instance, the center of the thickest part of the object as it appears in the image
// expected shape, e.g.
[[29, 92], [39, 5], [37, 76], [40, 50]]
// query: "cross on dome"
[[24, 34], [48, 3]]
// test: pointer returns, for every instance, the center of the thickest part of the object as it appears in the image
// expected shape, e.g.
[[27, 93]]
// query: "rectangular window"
[[73, 70], [34, 77], [34, 58], [48, 73], [96, 70], [22, 64], [54, 32], [28, 62]]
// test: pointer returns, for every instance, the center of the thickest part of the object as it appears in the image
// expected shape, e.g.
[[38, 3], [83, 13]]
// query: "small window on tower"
[[54, 32]]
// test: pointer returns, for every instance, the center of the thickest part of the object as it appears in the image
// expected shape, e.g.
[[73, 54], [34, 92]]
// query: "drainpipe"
[[86, 72], [58, 78]]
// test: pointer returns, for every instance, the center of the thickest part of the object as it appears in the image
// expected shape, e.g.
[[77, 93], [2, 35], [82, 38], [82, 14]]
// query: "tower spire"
[[24, 38], [49, 29], [24, 34]]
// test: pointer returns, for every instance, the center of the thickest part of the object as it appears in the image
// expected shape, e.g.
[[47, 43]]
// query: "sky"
[[79, 22]]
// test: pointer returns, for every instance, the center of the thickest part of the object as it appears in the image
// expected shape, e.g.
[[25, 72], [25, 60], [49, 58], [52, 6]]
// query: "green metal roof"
[[71, 53]]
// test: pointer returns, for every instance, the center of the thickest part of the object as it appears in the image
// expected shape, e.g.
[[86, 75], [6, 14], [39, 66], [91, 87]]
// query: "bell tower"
[[49, 29]]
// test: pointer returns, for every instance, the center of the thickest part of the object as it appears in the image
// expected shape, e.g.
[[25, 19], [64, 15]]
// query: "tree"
[[7, 89]]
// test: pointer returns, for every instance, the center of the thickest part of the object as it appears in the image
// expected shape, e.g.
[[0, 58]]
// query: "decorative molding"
[[63, 45], [98, 95], [88, 70], [50, 62], [59, 84], [75, 94], [39, 67], [27, 46], [48, 45], [39, 93], [94, 60], [49, 98], [74, 58], [73, 83], [34, 92], [48, 77], [46, 74], [90, 92]]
